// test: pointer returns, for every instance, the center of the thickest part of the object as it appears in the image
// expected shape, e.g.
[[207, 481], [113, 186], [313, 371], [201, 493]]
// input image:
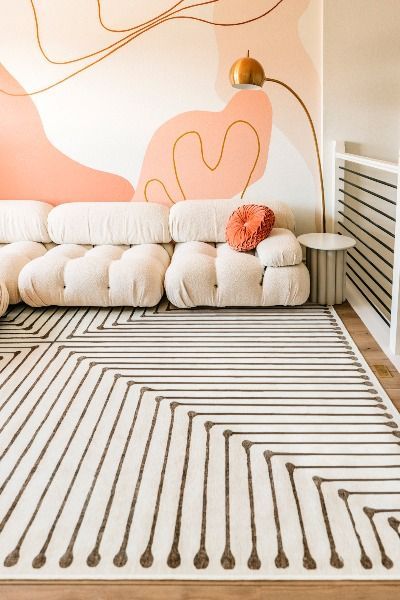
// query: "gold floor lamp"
[[248, 74]]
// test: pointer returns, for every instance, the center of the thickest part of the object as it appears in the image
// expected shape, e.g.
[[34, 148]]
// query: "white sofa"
[[119, 254], [103, 254], [206, 271], [23, 237]]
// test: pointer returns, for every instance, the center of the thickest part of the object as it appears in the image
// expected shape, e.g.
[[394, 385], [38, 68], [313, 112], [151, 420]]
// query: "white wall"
[[361, 106], [361, 79]]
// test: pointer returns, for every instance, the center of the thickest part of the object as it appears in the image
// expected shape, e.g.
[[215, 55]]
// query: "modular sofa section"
[[23, 235], [78, 275], [106, 254], [203, 274], [205, 271]]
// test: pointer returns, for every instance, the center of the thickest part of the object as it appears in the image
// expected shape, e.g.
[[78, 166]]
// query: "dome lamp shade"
[[247, 74]]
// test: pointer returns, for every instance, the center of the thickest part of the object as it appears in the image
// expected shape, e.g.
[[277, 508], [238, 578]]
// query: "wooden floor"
[[296, 590], [372, 353], [320, 590]]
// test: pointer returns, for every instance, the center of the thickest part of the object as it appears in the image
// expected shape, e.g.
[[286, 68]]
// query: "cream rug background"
[[215, 444]]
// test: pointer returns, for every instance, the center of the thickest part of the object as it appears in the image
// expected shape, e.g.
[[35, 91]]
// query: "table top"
[[326, 241]]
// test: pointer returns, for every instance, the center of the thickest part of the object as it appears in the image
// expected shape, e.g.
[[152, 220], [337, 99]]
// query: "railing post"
[[336, 148], [395, 312]]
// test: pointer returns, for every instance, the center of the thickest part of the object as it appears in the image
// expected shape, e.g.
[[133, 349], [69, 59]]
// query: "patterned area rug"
[[215, 444]]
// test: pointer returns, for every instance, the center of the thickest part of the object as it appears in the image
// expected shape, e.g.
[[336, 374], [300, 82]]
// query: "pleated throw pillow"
[[248, 226]]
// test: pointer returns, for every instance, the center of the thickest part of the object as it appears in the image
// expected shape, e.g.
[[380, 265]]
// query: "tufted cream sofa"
[[23, 237], [205, 271], [126, 254], [103, 254]]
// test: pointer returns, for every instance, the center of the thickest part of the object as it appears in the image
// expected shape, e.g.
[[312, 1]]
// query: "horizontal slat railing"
[[366, 195], [381, 165]]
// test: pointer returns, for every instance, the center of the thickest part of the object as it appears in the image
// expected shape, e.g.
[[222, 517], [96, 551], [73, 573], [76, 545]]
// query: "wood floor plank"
[[371, 351], [194, 590]]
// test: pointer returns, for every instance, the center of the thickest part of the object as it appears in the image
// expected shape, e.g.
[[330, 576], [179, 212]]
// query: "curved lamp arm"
[[321, 179]]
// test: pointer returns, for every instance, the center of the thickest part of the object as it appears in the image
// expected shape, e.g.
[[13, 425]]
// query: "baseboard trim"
[[378, 329]]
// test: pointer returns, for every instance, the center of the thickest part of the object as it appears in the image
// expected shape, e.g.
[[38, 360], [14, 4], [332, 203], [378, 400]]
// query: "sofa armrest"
[[279, 249]]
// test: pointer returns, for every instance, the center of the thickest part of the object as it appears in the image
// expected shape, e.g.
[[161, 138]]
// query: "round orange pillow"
[[248, 226]]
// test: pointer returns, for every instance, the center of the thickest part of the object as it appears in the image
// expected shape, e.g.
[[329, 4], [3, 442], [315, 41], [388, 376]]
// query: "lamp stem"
[[321, 179]]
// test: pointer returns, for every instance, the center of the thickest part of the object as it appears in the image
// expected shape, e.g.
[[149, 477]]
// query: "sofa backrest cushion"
[[116, 223], [206, 220], [24, 221], [279, 249]]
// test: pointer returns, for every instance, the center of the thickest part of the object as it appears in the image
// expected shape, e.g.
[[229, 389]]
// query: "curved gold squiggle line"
[[209, 166], [163, 186], [137, 29], [245, 22], [166, 12], [81, 70], [123, 42], [141, 28], [213, 168], [237, 23]]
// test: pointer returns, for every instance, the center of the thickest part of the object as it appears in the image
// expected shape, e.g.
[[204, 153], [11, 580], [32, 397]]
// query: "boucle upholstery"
[[79, 275], [4, 298], [117, 223], [24, 220], [202, 274], [13, 257], [279, 249], [206, 220]]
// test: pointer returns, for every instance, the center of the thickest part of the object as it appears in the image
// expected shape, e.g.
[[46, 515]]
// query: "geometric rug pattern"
[[187, 444]]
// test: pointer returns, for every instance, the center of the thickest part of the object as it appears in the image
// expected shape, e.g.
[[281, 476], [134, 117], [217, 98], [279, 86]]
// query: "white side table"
[[326, 261]]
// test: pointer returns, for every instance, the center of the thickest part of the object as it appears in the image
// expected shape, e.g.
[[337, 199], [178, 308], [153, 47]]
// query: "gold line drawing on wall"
[[141, 29], [155, 180], [208, 21], [137, 30], [209, 166], [166, 12]]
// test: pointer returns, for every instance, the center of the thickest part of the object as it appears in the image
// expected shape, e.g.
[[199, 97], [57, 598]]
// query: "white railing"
[[366, 195]]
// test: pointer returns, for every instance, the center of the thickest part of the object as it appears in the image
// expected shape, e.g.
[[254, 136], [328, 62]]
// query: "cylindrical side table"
[[326, 261]]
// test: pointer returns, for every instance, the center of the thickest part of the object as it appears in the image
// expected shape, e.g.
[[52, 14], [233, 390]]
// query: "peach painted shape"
[[32, 168], [246, 122]]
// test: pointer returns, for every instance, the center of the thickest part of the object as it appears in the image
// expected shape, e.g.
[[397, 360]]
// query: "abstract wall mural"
[[131, 101], [31, 168], [220, 158]]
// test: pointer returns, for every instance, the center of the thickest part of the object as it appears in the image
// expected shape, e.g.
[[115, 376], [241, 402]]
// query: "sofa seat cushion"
[[78, 275], [117, 223], [4, 298], [202, 274], [279, 249], [206, 220], [13, 257], [24, 220]]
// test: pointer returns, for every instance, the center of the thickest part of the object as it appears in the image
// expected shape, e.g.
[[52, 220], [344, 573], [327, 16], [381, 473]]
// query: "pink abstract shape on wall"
[[206, 154], [31, 168]]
